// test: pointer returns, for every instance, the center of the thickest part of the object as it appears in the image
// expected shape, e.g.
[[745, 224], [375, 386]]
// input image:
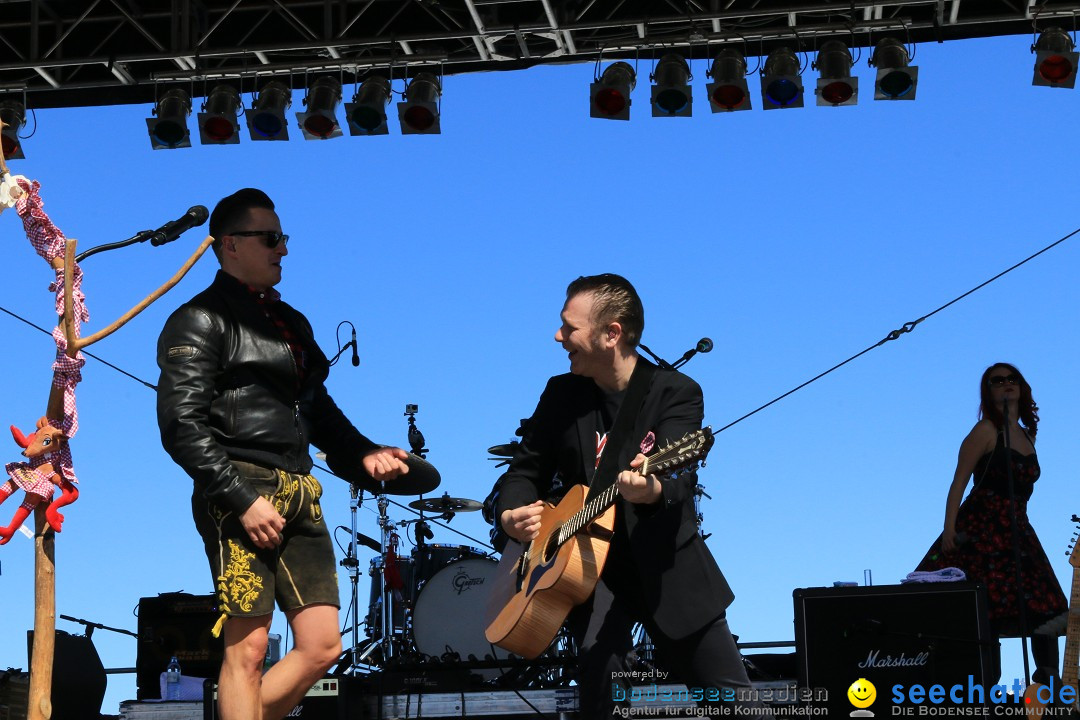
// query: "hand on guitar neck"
[[523, 523]]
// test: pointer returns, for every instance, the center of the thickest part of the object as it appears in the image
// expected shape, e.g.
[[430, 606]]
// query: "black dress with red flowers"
[[986, 554]]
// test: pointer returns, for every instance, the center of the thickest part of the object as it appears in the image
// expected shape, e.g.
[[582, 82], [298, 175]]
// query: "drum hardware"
[[699, 491]]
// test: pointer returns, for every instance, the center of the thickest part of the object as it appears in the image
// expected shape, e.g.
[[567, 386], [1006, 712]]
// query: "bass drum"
[[448, 616]]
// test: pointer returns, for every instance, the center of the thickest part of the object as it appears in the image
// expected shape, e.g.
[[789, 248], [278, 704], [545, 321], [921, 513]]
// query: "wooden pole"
[[39, 706]]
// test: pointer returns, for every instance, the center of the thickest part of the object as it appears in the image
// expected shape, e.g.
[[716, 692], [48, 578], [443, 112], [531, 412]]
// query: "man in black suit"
[[659, 571]]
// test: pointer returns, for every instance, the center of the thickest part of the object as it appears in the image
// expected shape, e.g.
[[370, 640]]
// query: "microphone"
[[704, 345], [355, 357], [195, 216]]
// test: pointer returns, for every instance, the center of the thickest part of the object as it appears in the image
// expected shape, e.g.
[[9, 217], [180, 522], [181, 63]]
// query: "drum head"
[[449, 613]]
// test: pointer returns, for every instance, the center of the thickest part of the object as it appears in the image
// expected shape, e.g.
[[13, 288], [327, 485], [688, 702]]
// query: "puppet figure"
[[47, 450]]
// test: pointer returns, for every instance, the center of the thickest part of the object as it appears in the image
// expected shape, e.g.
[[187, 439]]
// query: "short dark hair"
[[614, 300], [232, 209]]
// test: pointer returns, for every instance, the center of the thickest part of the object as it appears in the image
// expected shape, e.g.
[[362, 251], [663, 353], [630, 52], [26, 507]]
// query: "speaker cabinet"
[[176, 624], [78, 678], [920, 633]]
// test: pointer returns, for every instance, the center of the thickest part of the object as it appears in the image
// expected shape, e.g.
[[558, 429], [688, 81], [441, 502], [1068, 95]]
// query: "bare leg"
[[317, 648], [240, 682]]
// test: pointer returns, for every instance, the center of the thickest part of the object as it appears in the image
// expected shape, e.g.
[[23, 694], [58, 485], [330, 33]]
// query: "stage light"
[[367, 112], [169, 129], [320, 122], [266, 120], [13, 115], [781, 85], [609, 97], [728, 90], [419, 114], [217, 121], [1055, 60], [671, 94], [895, 79], [835, 86]]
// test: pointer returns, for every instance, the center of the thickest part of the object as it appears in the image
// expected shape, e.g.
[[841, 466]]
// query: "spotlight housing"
[[781, 84], [419, 113], [169, 129], [835, 86], [367, 112], [671, 93], [13, 115], [320, 121], [609, 97], [896, 80], [266, 119], [217, 122], [728, 91], [1055, 59]]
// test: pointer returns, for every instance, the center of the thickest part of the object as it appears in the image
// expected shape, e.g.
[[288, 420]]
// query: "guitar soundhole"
[[551, 547]]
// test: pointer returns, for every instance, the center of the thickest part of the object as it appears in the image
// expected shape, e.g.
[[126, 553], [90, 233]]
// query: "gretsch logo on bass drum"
[[463, 581]]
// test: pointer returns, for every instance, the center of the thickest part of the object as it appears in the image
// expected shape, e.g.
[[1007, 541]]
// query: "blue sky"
[[793, 239]]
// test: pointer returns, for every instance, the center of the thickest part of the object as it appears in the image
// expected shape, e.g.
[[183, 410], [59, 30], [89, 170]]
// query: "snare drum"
[[448, 616], [400, 599]]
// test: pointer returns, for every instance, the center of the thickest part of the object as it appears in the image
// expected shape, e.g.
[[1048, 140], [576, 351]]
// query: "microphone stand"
[[1016, 543]]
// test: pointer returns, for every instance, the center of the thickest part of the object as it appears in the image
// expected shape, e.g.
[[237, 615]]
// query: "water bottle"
[[172, 680]]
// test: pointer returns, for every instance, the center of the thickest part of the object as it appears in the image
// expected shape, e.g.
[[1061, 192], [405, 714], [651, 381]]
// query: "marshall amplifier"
[[319, 703], [921, 633], [176, 624]]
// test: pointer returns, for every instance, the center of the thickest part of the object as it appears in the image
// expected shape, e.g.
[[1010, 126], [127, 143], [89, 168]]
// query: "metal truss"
[[59, 53]]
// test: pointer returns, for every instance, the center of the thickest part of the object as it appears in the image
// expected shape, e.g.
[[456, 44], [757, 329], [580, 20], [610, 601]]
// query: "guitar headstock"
[[1074, 557], [687, 451]]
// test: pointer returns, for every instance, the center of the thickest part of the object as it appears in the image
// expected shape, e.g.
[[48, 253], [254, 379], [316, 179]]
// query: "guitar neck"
[[1072, 634], [592, 510]]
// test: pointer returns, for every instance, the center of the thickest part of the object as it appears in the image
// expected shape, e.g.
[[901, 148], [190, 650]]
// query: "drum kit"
[[425, 609]]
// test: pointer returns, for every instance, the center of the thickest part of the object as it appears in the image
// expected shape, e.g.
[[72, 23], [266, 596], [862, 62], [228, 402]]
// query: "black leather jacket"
[[229, 390]]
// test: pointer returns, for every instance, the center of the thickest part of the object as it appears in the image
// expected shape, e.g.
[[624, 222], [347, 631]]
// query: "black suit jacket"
[[682, 587]]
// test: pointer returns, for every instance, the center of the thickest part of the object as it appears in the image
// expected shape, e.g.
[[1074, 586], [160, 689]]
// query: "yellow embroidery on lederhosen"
[[237, 585], [283, 497], [314, 489]]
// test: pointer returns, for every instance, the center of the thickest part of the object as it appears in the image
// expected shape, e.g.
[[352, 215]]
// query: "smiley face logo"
[[862, 693]]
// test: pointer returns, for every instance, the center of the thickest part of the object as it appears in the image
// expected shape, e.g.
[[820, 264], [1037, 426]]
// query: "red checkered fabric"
[[49, 242]]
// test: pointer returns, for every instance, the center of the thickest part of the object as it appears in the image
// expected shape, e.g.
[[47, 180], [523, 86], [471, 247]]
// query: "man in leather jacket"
[[240, 397]]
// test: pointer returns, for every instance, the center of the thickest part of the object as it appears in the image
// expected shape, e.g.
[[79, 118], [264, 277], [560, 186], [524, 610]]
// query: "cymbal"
[[446, 504], [504, 450], [422, 478]]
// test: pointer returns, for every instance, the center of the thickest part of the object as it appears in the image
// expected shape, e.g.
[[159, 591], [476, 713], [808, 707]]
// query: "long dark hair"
[[1028, 410]]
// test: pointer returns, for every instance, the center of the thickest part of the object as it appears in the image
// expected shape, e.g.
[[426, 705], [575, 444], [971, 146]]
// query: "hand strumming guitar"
[[523, 523]]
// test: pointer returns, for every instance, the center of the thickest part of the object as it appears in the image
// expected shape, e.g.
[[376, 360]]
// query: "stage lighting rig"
[[896, 80], [419, 113], [1055, 59], [266, 120], [835, 86], [320, 121], [13, 115], [217, 121], [169, 129], [781, 84], [609, 96], [728, 90], [671, 93], [367, 112]]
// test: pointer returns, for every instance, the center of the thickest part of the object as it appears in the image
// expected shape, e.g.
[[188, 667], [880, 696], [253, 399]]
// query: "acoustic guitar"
[[1071, 668], [536, 585]]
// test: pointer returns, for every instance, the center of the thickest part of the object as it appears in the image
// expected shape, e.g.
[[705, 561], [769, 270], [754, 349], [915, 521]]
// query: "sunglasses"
[[271, 238], [999, 380]]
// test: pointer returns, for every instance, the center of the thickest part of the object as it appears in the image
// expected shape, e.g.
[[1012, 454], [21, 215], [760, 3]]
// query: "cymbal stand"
[[352, 566], [388, 601]]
